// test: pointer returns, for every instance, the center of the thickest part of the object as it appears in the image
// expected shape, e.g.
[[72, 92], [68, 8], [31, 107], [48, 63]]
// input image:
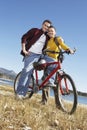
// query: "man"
[[33, 42]]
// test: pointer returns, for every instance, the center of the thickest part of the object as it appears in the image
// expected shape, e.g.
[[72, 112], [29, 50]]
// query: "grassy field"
[[29, 114]]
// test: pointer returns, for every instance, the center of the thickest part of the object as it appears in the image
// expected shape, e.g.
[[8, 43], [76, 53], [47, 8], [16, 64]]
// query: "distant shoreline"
[[82, 94], [10, 80]]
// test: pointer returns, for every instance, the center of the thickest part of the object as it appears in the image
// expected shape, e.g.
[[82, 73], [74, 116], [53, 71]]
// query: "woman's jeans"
[[50, 68]]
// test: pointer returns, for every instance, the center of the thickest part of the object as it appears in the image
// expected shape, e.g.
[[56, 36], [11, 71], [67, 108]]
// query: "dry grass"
[[29, 113]]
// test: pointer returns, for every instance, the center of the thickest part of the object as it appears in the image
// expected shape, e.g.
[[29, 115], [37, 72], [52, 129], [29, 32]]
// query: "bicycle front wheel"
[[67, 93], [31, 84]]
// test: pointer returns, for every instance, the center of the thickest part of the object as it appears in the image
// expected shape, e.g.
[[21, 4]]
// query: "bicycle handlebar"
[[60, 53]]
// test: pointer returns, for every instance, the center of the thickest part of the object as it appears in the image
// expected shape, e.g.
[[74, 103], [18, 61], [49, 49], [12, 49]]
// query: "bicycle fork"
[[62, 81]]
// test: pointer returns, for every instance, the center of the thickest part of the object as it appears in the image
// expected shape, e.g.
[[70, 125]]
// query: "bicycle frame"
[[40, 86], [49, 76]]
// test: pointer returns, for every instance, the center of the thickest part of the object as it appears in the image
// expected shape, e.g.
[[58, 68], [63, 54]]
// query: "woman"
[[54, 44]]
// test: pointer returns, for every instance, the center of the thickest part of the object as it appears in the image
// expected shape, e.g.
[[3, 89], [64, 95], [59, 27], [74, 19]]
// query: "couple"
[[37, 40]]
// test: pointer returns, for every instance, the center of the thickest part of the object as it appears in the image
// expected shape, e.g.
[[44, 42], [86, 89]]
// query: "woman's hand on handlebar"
[[71, 51]]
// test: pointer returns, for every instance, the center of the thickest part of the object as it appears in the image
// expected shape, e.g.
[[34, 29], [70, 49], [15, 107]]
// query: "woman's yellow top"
[[51, 45]]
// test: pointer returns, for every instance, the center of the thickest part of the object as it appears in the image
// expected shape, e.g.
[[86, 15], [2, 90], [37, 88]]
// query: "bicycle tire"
[[30, 90], [68, 99]]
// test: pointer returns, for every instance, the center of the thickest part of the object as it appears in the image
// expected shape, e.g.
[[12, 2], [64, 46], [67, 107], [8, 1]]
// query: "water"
[[6, 82], [81, 99]]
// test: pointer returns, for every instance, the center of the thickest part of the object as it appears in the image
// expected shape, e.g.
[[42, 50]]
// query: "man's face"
[[45, 26]]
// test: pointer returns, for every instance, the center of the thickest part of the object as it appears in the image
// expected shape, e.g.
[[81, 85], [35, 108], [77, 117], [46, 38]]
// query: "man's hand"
[[25, 52]]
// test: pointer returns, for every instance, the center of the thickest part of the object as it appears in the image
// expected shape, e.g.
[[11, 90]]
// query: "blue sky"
[[70, 19]]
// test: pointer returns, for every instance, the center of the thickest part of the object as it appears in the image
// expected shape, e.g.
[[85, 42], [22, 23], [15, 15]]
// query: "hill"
[[8, 74]]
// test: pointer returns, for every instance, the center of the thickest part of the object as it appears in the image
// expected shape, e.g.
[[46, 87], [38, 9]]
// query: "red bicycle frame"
[[49, 76]]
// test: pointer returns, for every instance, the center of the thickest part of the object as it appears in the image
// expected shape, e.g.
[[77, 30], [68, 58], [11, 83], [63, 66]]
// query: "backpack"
[[60, 57]]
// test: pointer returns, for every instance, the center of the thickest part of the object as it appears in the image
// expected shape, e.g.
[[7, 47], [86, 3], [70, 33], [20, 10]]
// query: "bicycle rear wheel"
[[31, 84], [67, 94]]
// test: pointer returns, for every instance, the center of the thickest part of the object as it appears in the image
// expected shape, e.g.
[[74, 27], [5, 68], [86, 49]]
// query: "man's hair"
[[48, 21]]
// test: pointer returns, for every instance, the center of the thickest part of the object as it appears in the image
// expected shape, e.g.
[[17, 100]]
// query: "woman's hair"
[[52, 27]]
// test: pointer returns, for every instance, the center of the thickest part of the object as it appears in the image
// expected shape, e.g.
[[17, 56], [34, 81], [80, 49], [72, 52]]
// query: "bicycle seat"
[[40, 65]]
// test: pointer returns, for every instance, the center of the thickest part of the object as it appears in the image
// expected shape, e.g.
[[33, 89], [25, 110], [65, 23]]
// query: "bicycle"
[[65, 92]]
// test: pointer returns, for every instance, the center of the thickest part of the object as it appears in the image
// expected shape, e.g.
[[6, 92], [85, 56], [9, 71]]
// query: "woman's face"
[[51, 32]]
